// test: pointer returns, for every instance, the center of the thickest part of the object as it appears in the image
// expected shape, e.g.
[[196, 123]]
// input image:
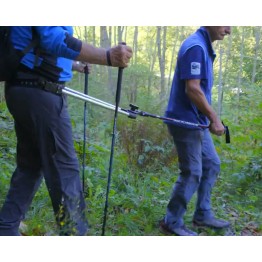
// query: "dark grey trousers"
[[45, 149]]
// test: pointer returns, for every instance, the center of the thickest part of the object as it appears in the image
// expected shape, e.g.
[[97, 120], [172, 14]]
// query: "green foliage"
[[147, 144]]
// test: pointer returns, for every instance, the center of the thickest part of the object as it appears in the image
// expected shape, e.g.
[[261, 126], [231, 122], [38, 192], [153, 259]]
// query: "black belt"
[[49, 86]]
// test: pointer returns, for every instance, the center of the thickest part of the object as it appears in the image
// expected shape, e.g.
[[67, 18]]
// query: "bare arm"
[[93, 55], [196, 95]]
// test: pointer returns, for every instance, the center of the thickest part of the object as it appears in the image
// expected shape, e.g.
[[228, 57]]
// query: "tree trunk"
[[220, 84], [240, 72], [120, 30], [105, 43], [104, 38], [115, 35], [94, 67], [125, 34], [110, 84], [256, 49], [152, 60], [134, 59], [228, 52], [134, 83], [173, 61], [161, 48]]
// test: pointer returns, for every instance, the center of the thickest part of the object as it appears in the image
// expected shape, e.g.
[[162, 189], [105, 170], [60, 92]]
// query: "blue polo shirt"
[[56, 50], [195, 61]]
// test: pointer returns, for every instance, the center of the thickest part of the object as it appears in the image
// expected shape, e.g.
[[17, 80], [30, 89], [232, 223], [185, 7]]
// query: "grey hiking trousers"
[[199, 166], [45, 149]]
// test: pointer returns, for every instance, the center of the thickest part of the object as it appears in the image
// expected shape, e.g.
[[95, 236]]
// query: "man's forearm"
[[92, 55], [197, 96]]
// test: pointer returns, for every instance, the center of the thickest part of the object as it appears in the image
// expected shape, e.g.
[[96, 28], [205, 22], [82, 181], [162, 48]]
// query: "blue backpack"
[[9, 56]]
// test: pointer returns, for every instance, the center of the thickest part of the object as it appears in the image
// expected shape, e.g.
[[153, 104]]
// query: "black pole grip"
[[227, 133], [86, 79], [119, 82]]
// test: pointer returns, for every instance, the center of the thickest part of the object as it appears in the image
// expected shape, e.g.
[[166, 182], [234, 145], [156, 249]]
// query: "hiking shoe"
[[179, 231], [211, 222]]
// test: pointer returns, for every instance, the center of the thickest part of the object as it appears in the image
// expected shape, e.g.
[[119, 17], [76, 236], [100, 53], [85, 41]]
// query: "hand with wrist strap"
[[119, 56]]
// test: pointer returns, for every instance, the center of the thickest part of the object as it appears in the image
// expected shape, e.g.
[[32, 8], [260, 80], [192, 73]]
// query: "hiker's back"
[[47, 59]]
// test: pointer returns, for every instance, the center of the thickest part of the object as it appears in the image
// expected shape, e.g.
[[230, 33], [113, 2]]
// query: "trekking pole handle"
[[86, 69], [227, 133], [119, 82]]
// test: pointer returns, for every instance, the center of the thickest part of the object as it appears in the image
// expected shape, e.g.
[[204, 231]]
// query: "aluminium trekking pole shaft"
[[87, 98], [130, 113]]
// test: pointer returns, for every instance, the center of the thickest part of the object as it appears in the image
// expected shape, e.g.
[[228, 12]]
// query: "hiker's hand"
[[81, 67], [120, 55], [217, 128]]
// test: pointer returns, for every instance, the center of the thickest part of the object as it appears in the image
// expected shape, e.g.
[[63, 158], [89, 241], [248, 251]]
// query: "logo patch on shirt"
[[195, 68]]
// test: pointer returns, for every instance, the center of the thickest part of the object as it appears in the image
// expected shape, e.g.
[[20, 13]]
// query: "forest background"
[[145, 162]]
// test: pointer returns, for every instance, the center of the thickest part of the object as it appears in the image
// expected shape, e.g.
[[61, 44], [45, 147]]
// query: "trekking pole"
[[133, 112], [84, 138], [118, 93]]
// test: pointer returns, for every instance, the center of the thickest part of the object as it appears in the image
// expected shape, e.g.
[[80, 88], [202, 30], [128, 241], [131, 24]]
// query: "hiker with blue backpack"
[[39, 66]]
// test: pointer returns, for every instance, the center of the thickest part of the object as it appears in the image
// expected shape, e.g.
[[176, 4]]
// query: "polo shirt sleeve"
[[193, 64]]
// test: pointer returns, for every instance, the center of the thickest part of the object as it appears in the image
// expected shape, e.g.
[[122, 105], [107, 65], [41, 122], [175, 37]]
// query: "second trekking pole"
[[84, 138]]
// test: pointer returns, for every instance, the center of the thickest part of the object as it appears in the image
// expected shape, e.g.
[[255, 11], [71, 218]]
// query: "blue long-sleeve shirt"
[[56, 50]]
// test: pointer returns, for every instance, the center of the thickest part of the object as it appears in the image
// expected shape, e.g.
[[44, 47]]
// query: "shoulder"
[[193, 50], [193, 41], [54, 30]]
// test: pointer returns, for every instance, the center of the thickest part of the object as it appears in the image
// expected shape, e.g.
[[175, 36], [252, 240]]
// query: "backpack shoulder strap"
[[33, 43]]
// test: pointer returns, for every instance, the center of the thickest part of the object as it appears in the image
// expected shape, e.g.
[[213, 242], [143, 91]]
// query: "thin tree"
[[152, 55], [256, 51], [120, 30], [171, 69], [105, 42], [93, 41], [220, 83], [161, 51], [134, 83], [240, 72]]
